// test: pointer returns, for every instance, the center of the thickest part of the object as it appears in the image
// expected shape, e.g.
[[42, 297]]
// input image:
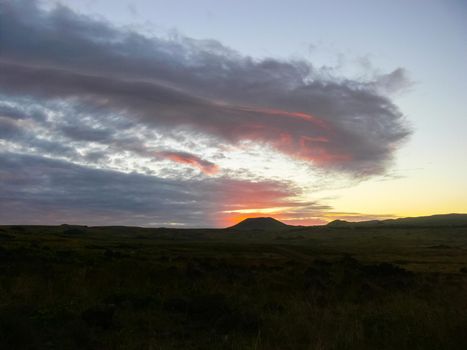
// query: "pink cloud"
[[205, 166]]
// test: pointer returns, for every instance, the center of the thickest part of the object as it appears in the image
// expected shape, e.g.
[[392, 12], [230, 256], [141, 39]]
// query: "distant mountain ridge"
[[421, 221], [262, 223], [440, 220]]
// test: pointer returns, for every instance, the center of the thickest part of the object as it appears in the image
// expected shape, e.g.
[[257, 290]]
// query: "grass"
[[307, 288]]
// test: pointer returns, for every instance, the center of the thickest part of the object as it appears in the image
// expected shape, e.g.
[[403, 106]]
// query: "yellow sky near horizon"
[[407, 196]]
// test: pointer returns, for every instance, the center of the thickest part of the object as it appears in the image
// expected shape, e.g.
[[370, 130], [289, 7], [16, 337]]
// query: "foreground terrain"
[[71, 287]]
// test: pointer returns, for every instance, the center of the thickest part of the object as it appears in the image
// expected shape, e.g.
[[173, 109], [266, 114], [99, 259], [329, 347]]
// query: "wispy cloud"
[[190, 159]]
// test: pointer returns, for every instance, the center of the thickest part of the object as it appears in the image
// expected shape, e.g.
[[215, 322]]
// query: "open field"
[[72, 287]]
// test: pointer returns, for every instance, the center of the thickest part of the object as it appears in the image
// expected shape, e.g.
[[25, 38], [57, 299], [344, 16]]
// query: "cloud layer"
[[35, 190], [201, 85], [80, 90]]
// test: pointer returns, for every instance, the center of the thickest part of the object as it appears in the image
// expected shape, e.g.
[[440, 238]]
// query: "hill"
[[420, 221], [263, 224], [223, 288]]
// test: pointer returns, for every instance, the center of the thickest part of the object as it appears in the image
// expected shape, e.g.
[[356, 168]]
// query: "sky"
[[200, 114]]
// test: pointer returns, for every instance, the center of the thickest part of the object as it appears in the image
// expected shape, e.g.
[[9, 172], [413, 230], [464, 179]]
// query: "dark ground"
[[307, 288]]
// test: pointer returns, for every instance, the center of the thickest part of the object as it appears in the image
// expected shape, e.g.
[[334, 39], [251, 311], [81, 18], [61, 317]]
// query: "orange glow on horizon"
[[232, 220]]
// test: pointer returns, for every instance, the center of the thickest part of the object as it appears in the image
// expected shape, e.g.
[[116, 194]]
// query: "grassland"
[[306, 288]]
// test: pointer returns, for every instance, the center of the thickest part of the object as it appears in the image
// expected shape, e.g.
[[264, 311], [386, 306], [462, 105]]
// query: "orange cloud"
[[205, 166]]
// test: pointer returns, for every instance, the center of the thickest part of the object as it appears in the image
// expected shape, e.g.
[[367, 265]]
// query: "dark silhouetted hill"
[[420, 221], [263, 224]]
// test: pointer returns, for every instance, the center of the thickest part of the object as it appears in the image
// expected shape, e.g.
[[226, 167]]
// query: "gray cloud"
[[202, 86], [17, 125], [393, 82], [37, 190], [78, 91], [8, 128]]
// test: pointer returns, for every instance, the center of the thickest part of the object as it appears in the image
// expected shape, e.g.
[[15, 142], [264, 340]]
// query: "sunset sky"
[[202, 113]]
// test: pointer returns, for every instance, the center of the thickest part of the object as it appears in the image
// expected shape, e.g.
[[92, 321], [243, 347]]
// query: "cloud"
[[202, 86], [190, 159], [38, 190], [103, 125], [393, 82]]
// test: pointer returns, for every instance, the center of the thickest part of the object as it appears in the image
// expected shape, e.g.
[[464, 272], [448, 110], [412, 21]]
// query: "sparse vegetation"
[[314, 288]]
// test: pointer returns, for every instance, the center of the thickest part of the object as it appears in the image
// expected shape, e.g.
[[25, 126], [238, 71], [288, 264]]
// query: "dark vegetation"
[[77, 287]]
